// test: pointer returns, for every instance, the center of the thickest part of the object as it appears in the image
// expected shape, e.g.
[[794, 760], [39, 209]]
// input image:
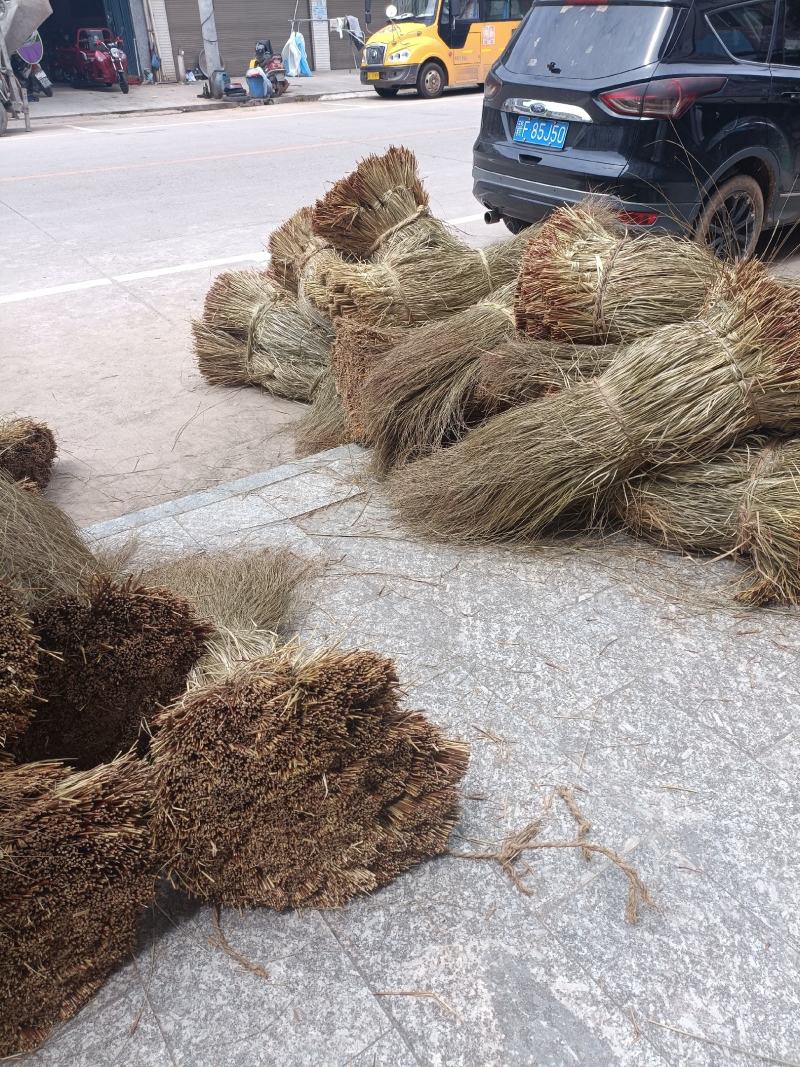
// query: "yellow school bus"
[[430, 44]]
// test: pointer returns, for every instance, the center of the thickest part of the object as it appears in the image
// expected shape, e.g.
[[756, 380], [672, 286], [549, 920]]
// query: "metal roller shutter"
[[240, 23], [341, 50]]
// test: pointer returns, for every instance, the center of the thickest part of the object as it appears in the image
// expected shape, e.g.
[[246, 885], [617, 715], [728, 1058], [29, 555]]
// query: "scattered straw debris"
[[219, 940]]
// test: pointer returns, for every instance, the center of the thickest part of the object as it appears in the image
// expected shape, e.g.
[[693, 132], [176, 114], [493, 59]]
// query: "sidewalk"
[[616, 670], [67, 102]]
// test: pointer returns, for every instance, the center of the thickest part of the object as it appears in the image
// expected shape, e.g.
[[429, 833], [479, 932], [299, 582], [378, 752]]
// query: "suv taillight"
[[668, 98], [491, 86]]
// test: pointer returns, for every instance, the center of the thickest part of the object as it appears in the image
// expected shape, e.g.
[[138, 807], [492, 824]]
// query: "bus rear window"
[[589, 40]]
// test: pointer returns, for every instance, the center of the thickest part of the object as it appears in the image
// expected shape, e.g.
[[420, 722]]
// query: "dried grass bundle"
[[422, 394], [298, 781], [76, 869], [248, 596], [27, 450], [283, 346], [424, 276], [522, 369], [42, 553], [19, 657], [295, 252], [323, 425], [745, 500], [356, 351], [682, 394], [586, 278], [374, 203], [109, 658], [235, 296]]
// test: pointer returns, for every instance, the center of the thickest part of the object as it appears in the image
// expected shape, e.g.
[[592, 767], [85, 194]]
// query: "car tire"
[[386, 91], [515, 225], [731, 219], [431, 81]]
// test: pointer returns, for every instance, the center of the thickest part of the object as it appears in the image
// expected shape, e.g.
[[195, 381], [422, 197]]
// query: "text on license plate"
[[373, 75], [542, 132]]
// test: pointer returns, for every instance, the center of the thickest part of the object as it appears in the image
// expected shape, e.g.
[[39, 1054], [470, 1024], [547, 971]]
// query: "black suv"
[[685, 114]]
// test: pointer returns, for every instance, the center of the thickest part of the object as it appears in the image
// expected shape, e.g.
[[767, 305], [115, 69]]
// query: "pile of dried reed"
[[298, 781], [323, 425], [297, 255], [27, 450], [744, 501], [356, 351], [421, 396], [585, 278], [681, 394], [19, 657], [111, 655], [76, 869], [522, 369], [253, 333]]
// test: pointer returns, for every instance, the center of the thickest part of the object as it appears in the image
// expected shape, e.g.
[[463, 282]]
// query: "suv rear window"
[[588, 40]]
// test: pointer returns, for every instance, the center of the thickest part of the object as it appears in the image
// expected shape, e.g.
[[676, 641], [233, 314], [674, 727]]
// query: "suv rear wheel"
[[731, 220]]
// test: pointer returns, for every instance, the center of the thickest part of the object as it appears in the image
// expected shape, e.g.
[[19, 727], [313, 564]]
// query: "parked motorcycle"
[[26, 64], [272, 66], [92, 56]]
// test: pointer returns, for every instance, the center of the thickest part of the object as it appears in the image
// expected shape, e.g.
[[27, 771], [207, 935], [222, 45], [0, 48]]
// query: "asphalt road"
[[112, 231]]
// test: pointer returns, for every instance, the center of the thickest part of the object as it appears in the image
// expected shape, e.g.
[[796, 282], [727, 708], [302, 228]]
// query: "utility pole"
[[208, 27]]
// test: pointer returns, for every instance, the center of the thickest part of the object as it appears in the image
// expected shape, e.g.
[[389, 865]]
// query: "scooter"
[[26, 64], [272, 66]]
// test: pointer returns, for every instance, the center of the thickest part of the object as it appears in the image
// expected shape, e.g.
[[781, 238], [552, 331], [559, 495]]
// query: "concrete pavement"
[[112, 234]]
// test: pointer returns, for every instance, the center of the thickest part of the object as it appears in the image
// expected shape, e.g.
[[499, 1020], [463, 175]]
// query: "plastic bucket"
[[255, 86]]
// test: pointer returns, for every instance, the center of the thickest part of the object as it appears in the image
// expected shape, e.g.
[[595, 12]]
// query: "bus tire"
[[431, 80], [387, 90]]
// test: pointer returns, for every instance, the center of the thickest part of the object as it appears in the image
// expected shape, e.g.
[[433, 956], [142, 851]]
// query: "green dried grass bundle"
[[19, 658], [27, 450], [76, 869], [744, 501], [109, 658], [422, 394], [314, 785], [682, 394], [42, 553], [522, 369], [380, 198], [283, 346], [585, 278], [357, 348], [323, 425], [248, 596]]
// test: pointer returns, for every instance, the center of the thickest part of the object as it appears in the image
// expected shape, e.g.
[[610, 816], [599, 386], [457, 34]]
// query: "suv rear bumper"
[[393, 77], [529, 200]]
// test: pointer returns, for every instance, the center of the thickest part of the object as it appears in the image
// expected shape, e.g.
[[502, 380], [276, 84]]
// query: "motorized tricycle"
[[92, 56]]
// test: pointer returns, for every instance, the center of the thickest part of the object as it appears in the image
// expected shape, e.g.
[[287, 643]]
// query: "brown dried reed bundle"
[[357, 348], [421, 395], [283, 347], [235, 296], [27, 450], [418, 278], [19, 657], [248, 596], [744, 501], [76, 869], [372, 204], [322, 425], [42, 553], [522, 369], [298, 781], [682, 394], [586, 278], [295, 251], [109, 658]]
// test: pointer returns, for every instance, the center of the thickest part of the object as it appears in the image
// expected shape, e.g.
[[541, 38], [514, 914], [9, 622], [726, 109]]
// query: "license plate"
[[541, 132], [373, 75]]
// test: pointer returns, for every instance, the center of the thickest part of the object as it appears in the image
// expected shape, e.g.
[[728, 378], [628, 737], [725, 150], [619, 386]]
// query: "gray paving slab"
[[621, 674]]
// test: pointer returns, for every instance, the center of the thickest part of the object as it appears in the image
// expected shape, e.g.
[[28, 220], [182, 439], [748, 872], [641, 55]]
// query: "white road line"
[[160, 272]]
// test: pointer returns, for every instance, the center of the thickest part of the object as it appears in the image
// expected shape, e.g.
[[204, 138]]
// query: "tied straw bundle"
[[585, 278], [296, 780], [76, 870], [19, 657], [27, 450], [418, 270], [356, 351], [253, 333], [682, 394], [744, 501], [298, 255]]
